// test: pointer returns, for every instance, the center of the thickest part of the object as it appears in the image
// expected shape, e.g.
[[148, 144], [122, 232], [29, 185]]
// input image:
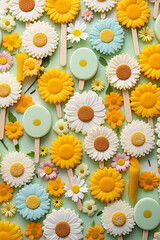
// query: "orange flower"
[[55, 187], [5, 192], [95, 233], [115, 118], [13, 130], [23, 103], [113, 101], [148, 180], [12, 41], [33, 230]]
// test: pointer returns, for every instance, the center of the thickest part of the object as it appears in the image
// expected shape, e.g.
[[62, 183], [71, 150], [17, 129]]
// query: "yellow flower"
[[43, 151], [57, 202], [97, 85], [13, 130], [8, 209], [148, 180], [33, 230], [20, 58], [23, 103], [55, 187], [5, 192], [62, 11], [55, 86], [12, 41], [149, 60], [66, 151], [9, 231], [113, 101], [31, 67], [133, 13], [145, 100], [146, 34], [95, 233], [106, 185], [115, 118]]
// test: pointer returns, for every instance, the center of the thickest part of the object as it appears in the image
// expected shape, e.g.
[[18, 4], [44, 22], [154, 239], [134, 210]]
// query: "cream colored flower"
[[76, 32], [82, 171], [7, 23], [156, 236], [3, 7], [97, 85], [146, 34], [8, 209], [89, 207], [61, 127], [100, 6]]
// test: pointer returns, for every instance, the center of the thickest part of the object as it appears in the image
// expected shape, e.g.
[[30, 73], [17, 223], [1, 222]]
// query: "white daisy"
[[17, 169], [100, 6], [123, 71], [61, 127], [85, 111], [157, 127], [82, 171], [156, 236], [89, 207], [62, 224], [10, 90], [26, 11], [101, 143], [40, 40], [117, 218], [8, 209], [76, 32], [3, 7], [137, 138], [75, 189], [7, 23]]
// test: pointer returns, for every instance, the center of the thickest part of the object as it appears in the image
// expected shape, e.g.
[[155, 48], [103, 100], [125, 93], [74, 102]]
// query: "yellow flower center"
[[113, 100], [5, 90], [7, 23], [148, 100], [87, 14], [121, 162], [66, 151], [133, 11], [62, 229], [154, 61], [3, 60], [107, 184], [55, 85], [114, 119], [147, 214], [5, 235], [138, 139], [95, 235], [55, 186], [101, 144], [26, 6], [48, 170], [82, 63], [148, 180], [101, 0], [24, 104], [82, 171], [85, 113], [33, 231], [31, 66], [106, 35], [13, 129], [33, 202], [3, 191], [119, 219], [61, 128], [75, 189], [76, 33], [40, 39], [36, 122], [63, 6], [11, 42], [17, 169], [89, 207]]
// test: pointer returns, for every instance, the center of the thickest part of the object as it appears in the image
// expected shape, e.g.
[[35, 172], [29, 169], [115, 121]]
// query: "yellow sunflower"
[[106, 184], [62, 11], [133, 13], [9, 231], [145, 100], [66, 151], [149, 60], [55, 86]]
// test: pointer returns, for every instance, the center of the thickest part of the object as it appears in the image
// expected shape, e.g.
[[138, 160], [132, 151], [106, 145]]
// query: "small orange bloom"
[[5, 192], [23, 103], [55, 187], [115, 118], [113, 101], [33, 231], [13, 130], [148, 180], [12, 41], [95, 233]]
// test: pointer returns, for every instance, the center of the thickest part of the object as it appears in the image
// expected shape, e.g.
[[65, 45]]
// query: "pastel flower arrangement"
[[6, 61], [47, 170], [121, 162]]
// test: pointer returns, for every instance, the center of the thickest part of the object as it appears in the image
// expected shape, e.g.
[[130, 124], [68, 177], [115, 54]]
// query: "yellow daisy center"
[[113, 100], [17, 169], [147, 213], [95, 235], [101, 144], [13, 129], [33, 231], [5, 89], [5, 235], [36, 122], [114, 119], [148, 180], [7, 23], [24, 104], [87, 14], [61, 128], [148, 100], [76, 33], [55, 85], [82, 170], [138, 139], [62, 229], [66, 151], [101, 0], [107, 184], [106, 35], [82, 63], [89, 207], [3, 60], [75, 189], [55, 186], [123, 72], [11, 42], [85, 113], [26, 6], [119, 219], [33, 202], [3, 191], [40, 39], [121, 162], [31, 66], [133, 11], [63, 6], [48, 170], [154, 61]]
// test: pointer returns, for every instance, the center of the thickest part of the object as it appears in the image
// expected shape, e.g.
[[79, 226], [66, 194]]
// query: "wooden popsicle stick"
[[40, 61], [81, 85], [59, 110], [103, 15], [79, 204], [37, 147], [2, 122], [127, 107], [70, 173], [120, 237], [15, 141], [101, 164], [135, 41], [150, 121], [63, 56], [27, 24], [156, 8], [145, 235]]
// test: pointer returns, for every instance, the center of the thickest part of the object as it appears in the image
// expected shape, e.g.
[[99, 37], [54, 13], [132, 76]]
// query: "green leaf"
[[11, 117], [99, 213], [70, 47], [103, 61], [93, 224], [17, 147], [118, 132], [4, 145], [31, 154], [109, 89], [33, 91], [45, 61]]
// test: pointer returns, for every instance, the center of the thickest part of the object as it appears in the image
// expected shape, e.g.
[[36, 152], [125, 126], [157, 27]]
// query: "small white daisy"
[[75, 189], [61, 127], [3, 7], [100, 6], [76, 32], [89, 207], [8, 209], [82, 171], [7, 23]]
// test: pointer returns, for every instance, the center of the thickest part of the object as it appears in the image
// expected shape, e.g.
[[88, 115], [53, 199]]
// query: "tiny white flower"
[[76, 32], [158, 159], [157, 128], [89, 207], [75, 189], [156, 236], [158, 150], [7, 23], [61, 127], [82, 171], [158, 143]]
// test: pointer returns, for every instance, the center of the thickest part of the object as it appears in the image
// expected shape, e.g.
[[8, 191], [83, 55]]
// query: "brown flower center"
[[26, 5], [62, 229], [123, 72], [85, 113], [101, 144]]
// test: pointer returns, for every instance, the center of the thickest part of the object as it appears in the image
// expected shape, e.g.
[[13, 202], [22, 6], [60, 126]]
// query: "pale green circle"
[[157, 28]]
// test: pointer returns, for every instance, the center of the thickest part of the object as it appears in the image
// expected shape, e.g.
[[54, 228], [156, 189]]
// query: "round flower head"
[[82, 171], [47, 170], [84, 111], [55, 86], [76, 32], [10, 231], [107, 36], [115, 118], [3, 8], [6, 61], [148, 180], [7, 23], [87, 15], [133, 13], [27, 11], [145, 100], [121, 162], [106, 185], [55, 187], [62, 11], [117, 218], [146, 34], [157, 127], [123, 71], [32, 202], [6, 192], [8, 209], [13, 130], [40, 40], [96, 232], [113, 101], [57, 202], [89, 207], [17, 169], [12, 41], [33, 230], [23, 103], [100, 6], [101, 143], [61, 127], [137, 138], [10, 90], [156, 236], [97, 85]]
